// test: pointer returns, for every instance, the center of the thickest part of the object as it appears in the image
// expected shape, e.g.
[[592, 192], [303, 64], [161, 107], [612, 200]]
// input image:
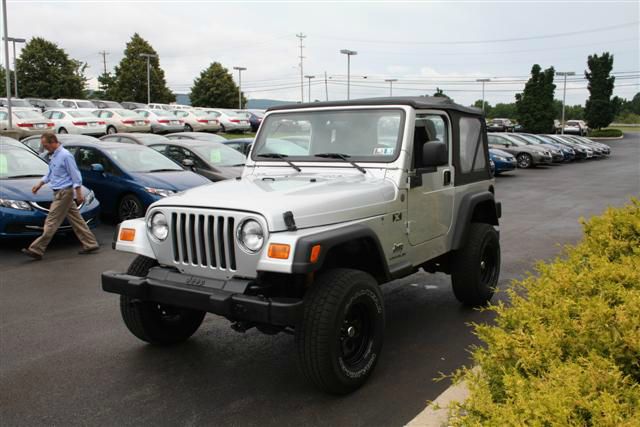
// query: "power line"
[[514, 39]]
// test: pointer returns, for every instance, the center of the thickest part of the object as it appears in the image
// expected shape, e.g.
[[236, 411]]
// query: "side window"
[[472, 156], [197, 162], [112, 139], [68, 104], [88, 156], [3, 115], [58, 115], [107, 114], [127, 140], [176, 154], [429, 128], [160, 148], [47, 114], [181, 113], [144, 113]]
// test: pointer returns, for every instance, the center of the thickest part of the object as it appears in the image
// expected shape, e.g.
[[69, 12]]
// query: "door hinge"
[[407, 227]]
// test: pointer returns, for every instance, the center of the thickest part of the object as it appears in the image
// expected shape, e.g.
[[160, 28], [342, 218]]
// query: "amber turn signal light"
[[127, 234], [315, 254], [279, 251]]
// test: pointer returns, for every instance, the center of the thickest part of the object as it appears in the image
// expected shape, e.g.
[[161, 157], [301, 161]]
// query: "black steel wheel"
[[130, 207]]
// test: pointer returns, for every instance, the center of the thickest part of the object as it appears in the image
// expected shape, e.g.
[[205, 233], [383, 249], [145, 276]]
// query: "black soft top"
[[417, 102]]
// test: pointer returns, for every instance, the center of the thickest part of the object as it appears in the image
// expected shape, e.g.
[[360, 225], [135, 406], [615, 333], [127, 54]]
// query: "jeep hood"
[[314, 199]]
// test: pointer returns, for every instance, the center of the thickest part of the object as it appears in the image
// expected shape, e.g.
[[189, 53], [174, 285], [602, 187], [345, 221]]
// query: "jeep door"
[[431, 192]]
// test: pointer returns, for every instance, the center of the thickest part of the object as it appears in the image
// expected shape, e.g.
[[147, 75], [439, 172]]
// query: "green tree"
[[571, 112], [130, 76], [634, 104], [46, 71], [106, 86], [504, 110], [3, 87], [487, 106], [440, 93], [215, 88], [600, 110], [535, 105]]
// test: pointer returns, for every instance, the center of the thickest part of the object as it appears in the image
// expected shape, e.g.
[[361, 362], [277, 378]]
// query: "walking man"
[[65, 181]]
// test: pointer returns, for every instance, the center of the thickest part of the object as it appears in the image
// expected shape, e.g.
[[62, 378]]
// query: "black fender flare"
[[330, 239], [492, 211]]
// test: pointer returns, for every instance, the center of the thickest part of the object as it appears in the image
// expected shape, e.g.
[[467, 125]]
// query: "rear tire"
[[341, 334], [476, 267], [62, 131], [156, 323], [188, 128], [111, 130]]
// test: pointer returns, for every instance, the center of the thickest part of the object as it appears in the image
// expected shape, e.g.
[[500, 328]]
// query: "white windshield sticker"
[[383, 151]]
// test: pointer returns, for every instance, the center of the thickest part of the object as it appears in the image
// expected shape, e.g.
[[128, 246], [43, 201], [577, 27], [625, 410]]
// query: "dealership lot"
[[68, 359]]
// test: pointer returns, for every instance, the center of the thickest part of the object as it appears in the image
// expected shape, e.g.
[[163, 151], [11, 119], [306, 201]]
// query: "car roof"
[[417, 102], [186, 143], [241, 140], [71, 139]]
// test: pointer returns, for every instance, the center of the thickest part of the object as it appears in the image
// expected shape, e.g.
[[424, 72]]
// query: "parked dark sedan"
[[135, 138], [242, 145], [200, 136], [503, 161], [45, 104], [212, 160], [133, 105], [500, 125]]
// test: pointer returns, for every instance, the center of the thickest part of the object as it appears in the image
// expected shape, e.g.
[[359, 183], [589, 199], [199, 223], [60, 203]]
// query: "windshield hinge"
[[407, 227]]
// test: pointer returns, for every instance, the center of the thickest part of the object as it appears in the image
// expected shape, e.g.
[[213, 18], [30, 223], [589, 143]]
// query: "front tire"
[[524, 160], [111, 130], [130, 207], [156, 323], [62, 131], [188, 128], [476, 267], [341, 334]]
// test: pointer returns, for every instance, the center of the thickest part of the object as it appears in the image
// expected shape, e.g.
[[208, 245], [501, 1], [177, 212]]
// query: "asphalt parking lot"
[[66, 358]]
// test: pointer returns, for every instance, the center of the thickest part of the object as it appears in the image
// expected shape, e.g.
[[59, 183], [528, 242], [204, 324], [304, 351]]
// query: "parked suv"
[[500, 125], [302, 243]]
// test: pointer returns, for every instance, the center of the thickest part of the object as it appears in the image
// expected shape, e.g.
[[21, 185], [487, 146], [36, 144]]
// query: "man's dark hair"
[[49, 137]]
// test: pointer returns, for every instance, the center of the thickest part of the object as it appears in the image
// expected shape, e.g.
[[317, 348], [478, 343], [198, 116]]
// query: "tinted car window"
[[89, 156]]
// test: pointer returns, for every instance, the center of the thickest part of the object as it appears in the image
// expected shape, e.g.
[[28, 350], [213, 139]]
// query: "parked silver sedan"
[[161, 121], [121, 120], [77, 122], [230, 121], [27, 122], [198, 121]]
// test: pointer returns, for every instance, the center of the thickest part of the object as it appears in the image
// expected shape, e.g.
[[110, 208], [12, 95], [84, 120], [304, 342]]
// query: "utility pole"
[[148, 56], [483, 81], [15, 40], [326, 87], [301, 37], [240, 70], [104, 54], [564, 93], [391, 85], [309, 77], [6, 63], [349, 53]]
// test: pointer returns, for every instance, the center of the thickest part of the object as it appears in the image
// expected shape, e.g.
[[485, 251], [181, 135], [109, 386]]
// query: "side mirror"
[[434, 154], [187, 163], [97, 167]]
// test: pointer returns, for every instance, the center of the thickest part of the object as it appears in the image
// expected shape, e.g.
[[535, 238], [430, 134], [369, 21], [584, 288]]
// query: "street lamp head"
[[565, 73], [483, 80], [148, 55], [348, 52], [15, 40], [390, 80], [240, 68], [309, 77]]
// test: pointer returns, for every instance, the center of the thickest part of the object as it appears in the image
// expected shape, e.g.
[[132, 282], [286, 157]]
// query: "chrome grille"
[[203, 240]]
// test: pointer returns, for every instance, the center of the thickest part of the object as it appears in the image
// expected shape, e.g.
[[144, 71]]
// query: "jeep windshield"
[[368, 135]]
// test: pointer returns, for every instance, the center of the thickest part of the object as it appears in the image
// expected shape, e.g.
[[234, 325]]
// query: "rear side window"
[[472, 156]]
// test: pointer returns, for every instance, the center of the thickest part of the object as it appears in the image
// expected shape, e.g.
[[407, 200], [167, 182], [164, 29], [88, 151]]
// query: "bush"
[[567, 349], [605, 133], [628, 119]]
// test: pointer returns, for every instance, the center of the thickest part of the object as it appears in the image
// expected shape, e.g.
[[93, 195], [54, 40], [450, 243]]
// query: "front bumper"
[[505, 166], [19, 223], [226, 298]]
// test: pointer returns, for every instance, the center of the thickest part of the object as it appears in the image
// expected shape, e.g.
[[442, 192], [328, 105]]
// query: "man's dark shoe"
[[28, 252], [89, 251]]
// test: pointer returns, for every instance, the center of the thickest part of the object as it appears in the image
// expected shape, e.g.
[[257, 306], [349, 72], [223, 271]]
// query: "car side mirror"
[[97, 167], [188, 163], [434, 153]]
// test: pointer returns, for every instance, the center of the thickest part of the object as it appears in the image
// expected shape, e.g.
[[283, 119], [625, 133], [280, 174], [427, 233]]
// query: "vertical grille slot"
[[193, 256], [174, 236], [220, 241], [229, 243], [202, 249], [211, 246], [183, 239]]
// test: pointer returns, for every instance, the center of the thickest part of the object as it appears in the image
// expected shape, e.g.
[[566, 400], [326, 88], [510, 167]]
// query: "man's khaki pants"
[[63, 206]]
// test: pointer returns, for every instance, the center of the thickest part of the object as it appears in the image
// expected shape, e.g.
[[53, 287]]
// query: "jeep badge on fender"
[[336, 199]]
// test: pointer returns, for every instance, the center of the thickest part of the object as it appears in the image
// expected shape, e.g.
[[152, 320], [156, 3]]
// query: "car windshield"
[[17, 162], [75, 113], [85, 104], [136, 158], [20, 103], [219, 155], [28, 114], [369, 135], [531, 139], [164, 113], [126, 113]]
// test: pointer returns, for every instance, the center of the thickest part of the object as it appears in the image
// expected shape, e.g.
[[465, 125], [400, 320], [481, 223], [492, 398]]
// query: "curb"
[[605, 138], [437, 413]]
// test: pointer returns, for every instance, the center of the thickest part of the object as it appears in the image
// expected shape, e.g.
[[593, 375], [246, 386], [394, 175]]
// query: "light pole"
[[148, 56], [564, 93], [309, 77], [348, 53], [15, 40], [240, 70], [483, 81], [391, 85], [6, 63]]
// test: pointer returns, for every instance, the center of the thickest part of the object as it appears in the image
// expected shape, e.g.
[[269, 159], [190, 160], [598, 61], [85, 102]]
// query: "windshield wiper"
[[165, 170], [24, 176], [344, 157], [279, 156]]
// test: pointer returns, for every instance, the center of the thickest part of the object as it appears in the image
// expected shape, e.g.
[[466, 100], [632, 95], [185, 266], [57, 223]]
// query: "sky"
[[423, 44]]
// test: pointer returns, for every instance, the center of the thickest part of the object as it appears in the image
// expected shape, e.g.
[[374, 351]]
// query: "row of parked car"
[[508, 151], [81, 117], [571, 127]]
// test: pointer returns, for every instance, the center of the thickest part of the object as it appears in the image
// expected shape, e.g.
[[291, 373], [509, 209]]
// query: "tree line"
[[45, 70]]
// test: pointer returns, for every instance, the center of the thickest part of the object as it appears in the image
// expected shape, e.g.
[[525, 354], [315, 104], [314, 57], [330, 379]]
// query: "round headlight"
[[158, 226], [251, 236]]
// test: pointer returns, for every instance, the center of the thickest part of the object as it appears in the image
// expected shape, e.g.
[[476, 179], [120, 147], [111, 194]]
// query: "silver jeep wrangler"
[[336, 198]]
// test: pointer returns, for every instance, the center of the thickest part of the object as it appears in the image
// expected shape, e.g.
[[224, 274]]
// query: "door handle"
[[447, 177]]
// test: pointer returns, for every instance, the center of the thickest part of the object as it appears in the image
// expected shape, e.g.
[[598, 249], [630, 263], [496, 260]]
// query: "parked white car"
[[160, 107], [198, 121], [77, 103], [180, 107], [161, 121], [230, 121], [121, 120], [19, 103], [77, 122], [576, 127], [26, 122]]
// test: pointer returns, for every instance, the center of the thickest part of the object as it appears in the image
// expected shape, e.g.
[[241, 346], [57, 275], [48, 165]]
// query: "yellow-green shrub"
[[566, 350]]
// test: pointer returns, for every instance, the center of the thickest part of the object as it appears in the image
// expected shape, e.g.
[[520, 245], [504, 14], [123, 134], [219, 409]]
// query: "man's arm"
[[44, 180], [76, 177]]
